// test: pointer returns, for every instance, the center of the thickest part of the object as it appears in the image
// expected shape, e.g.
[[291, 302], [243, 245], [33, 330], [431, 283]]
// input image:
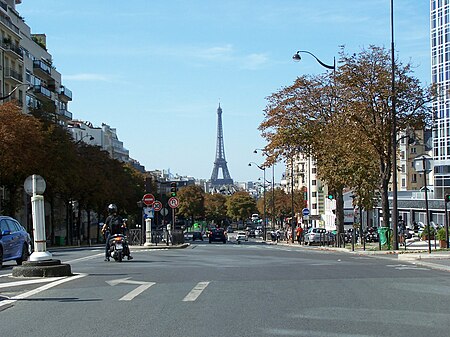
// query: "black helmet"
[[112, 208]]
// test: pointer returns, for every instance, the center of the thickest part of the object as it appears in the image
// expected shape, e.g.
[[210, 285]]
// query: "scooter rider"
[[114, 224]]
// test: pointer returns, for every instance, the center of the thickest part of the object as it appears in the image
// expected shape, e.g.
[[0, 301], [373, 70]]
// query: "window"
[[414, 178]]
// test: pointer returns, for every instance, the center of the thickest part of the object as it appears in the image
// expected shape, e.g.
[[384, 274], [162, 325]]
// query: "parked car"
[[197, 236], [252, 233], [241, 236], [316, 235], [15, 242], [217, 234]]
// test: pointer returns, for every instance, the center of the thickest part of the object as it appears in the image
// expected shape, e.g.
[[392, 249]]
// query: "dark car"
[[217, 234], [15, 242], [197, 236]]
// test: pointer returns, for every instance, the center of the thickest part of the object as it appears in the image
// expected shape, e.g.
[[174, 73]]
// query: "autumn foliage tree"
[[343, 119], [21, 152]]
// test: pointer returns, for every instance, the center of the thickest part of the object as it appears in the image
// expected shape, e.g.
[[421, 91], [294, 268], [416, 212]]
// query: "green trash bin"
[[59, 240], [384, 234]]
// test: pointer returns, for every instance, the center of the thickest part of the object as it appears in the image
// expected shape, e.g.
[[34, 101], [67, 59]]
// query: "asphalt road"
[[251, 289]]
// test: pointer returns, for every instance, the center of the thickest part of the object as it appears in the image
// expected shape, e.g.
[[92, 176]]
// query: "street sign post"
[[157, 205], [148, 199], [305, 211], [173, 202]]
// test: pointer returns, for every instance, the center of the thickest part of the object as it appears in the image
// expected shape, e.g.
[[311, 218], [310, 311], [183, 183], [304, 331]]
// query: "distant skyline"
[[156, 70]]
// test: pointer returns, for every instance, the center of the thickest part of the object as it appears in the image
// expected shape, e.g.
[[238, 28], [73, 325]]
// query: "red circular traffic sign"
[[157, 205], [173, 202], [148, 199]]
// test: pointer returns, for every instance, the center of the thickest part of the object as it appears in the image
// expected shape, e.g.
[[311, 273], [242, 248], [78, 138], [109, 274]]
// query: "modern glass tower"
[[440, 73]]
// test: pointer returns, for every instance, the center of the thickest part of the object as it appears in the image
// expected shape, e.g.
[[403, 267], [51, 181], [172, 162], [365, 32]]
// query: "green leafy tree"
[[192, 202], [240, 206], [215, 207]]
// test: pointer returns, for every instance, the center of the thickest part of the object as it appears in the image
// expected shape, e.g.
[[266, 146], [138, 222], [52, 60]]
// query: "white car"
[[241, 236]]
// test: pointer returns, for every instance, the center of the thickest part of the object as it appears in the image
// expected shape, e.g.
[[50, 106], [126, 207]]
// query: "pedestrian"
[[299, 234]]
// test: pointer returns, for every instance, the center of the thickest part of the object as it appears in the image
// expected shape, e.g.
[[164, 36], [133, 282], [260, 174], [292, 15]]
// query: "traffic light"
[[330, 196], [173, 189], [447, 198]]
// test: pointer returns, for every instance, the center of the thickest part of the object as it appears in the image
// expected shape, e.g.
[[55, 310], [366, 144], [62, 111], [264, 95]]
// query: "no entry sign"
[[148, 199]]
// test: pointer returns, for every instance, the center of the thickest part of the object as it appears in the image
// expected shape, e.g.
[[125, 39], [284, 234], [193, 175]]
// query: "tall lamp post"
[[297, 58], [273, 186], [264, 195], [394, 138]]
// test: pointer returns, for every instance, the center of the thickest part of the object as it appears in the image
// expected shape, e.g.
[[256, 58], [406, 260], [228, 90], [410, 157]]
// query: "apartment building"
[[301, 174], [26, 67], [440, 76]]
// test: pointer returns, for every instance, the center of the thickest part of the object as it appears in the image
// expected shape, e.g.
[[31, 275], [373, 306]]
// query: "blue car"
[[15, 242]]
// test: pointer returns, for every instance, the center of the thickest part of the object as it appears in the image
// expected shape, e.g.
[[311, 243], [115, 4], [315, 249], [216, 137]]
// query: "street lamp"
[[15, 88], [297, 58], [264, 195], [80, 140], [422, 164], [394, 138], [273, 186]]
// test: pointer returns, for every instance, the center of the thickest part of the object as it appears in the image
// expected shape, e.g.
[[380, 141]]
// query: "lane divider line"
[[195, 292]]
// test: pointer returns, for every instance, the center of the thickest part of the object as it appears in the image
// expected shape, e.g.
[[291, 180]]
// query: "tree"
[[192, 202], [21, 152], [240, 206], [344, 120], [215, 207]]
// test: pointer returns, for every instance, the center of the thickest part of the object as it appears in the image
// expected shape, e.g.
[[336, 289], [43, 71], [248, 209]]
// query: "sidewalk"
[[416, 252]]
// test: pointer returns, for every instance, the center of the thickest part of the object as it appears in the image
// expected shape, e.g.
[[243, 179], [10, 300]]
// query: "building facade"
[[440, 76], [27, 72]]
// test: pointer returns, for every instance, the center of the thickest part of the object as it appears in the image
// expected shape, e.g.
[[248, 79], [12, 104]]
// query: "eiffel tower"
[[220, 162]]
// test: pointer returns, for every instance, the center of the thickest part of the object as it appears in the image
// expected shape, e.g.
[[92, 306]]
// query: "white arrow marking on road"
[[194, 293], [132, 294]]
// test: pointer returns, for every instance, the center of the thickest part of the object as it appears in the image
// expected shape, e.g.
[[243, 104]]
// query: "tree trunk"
[[339, 213]]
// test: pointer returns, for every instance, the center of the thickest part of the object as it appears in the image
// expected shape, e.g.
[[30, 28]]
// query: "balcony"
[[13, 76], [7, 22], [42, 91], [42, 68], [65, 93], [12, 50], [65, 113]]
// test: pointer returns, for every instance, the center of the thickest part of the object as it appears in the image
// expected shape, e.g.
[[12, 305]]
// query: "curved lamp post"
[[81, 139], [264, 195], [273, 185], [297, 58], [15, 88]]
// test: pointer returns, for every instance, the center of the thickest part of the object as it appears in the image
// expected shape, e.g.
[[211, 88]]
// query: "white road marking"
[[194, 293], [405, 267], [85, 258], [25, 282], [132, 294], [40, 289]]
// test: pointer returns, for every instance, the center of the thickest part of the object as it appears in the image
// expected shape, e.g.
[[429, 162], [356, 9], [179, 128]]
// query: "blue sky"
[[156, 70]]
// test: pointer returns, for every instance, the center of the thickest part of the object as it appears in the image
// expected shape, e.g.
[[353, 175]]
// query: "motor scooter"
[[117, 247]]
